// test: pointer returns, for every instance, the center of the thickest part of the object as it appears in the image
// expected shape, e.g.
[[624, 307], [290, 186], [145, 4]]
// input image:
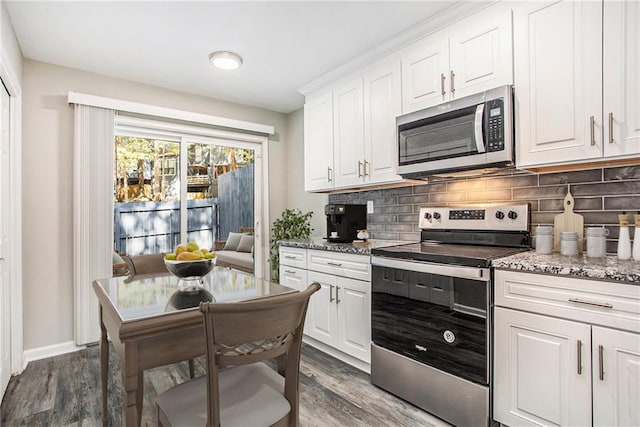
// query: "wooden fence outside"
[[154, 227]]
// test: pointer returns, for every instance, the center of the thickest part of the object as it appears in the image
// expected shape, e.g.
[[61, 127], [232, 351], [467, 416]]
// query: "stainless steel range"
[[431, 312]]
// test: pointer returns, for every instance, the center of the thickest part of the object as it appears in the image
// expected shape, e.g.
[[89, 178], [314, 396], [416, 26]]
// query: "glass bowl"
[[190, 273]]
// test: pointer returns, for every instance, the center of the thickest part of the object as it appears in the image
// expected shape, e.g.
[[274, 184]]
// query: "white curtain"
[[93, 213]]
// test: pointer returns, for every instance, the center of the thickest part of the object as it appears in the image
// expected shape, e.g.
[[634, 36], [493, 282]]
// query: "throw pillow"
[[233, 239], [246, 243]]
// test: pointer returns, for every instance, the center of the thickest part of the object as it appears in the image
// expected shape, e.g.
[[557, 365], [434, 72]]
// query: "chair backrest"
[[145, 264], [248, 332]]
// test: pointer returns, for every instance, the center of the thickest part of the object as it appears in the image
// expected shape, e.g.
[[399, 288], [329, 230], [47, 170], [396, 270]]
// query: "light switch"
[[370, 207]]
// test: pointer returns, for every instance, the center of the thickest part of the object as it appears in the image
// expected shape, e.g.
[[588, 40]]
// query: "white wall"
[[47, 173], [297, 198]]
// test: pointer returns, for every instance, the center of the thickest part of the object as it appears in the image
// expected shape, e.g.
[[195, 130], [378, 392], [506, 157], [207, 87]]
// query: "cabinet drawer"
[[610, 304], [293, 277], [339, 264], [293, 257]]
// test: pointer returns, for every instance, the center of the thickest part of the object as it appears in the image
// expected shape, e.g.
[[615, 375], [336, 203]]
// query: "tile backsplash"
[[600, 195]]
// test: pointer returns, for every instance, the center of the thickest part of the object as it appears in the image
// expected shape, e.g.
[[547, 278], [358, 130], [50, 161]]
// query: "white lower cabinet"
[[538, 380], [576, 369], [339, 314], [616, 377]]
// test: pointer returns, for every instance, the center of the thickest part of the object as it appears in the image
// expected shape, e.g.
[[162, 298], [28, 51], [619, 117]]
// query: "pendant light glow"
[[225, 60]]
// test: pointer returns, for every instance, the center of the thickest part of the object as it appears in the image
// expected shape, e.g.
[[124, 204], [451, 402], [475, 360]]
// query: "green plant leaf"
[[292, 224]]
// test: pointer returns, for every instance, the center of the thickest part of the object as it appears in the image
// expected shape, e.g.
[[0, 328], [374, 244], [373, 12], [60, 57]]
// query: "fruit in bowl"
[[189, 262]]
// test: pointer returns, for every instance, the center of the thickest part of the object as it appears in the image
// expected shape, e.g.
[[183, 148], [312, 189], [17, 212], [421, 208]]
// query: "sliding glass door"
[[183, 188]]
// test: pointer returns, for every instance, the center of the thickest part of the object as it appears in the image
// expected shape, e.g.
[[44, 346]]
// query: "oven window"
[[436, 320], [445, 136]]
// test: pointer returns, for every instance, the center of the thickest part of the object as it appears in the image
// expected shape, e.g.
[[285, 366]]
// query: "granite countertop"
[[361, 248], [608, 268]]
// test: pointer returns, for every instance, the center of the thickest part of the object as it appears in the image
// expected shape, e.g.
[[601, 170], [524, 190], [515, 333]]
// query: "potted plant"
[[293, 224]]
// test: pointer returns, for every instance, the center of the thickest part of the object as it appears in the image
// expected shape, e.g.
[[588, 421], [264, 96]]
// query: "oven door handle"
[[477, 126], [473, 273]]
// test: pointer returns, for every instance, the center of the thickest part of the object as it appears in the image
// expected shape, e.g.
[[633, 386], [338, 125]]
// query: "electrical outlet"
[[370, 207]]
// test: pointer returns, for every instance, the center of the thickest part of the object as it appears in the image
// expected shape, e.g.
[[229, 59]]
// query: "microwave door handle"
[[478, 128]]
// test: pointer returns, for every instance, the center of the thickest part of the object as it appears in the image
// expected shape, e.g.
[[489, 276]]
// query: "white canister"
[[544, 240], [569, 243], [596, 242]]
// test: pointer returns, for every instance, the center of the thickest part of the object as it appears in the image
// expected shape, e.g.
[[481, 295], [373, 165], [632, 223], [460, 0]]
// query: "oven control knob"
[[512, 215], [427, 216], [500, 215], [436, 215]]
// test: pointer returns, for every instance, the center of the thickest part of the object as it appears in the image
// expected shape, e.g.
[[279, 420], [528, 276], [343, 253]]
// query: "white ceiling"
[[285, 45]]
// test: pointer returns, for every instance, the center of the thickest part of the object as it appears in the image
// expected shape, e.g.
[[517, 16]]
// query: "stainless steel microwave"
[[475, 132]]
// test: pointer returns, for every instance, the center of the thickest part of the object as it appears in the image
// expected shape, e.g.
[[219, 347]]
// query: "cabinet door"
[[558, 76], [542, 370], [621, 78], [322, 316], [382, 103], [348, 131], [616, 377], [318, 142], [354, 317], [425, 73], [481, 52]]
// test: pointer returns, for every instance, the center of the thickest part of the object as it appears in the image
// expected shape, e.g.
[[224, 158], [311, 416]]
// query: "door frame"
[[12, 83]]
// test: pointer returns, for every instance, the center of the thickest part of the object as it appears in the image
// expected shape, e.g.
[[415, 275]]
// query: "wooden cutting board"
[[567, 221]]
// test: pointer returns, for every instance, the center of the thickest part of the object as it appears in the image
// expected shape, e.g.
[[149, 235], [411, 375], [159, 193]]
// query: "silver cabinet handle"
[[366, 168], [452, 88], [335, 264], [592, 125], [290, 271], [601, 362], [442, 79], [610, 128], [330, 293], [290, 256], [579, 357], [360, 169], [337, 295], [329, 178], [594, 303]]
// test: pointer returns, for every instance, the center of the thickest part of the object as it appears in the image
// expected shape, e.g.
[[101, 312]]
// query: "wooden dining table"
[[151, 323]]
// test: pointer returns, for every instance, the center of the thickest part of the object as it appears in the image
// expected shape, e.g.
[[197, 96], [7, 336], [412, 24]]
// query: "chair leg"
[[192, 371]]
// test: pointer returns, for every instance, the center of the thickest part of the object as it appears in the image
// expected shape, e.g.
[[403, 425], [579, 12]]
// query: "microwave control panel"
[[495, 125]]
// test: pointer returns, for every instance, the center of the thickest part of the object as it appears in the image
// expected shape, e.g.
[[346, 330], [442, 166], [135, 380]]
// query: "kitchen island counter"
[[608, 268], [357, 247]]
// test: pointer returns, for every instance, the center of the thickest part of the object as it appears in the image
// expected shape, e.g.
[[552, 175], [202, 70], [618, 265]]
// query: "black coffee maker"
[[344, 221]]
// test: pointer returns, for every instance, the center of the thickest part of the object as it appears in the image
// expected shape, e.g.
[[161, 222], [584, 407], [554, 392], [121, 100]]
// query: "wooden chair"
[[248, 393]]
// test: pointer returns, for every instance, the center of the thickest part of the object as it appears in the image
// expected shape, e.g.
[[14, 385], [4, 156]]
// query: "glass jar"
[[544, 240], [569, 243], [596, 242]]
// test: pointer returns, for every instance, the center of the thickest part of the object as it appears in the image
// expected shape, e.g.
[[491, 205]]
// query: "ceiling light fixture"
[[225, 60]]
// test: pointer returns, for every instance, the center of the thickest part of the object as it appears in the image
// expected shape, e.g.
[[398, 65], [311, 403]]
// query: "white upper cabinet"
[[348, 140], [355, 126], [621, 78], [472, 55], [559, 58], [318, 142], [382, 104], [481, 52], [425, 70]]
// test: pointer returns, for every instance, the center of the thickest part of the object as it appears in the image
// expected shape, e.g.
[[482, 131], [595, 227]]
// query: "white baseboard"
[[49, 351]]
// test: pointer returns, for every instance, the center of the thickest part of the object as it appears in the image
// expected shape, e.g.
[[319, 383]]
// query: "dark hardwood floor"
[[65, 391]]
